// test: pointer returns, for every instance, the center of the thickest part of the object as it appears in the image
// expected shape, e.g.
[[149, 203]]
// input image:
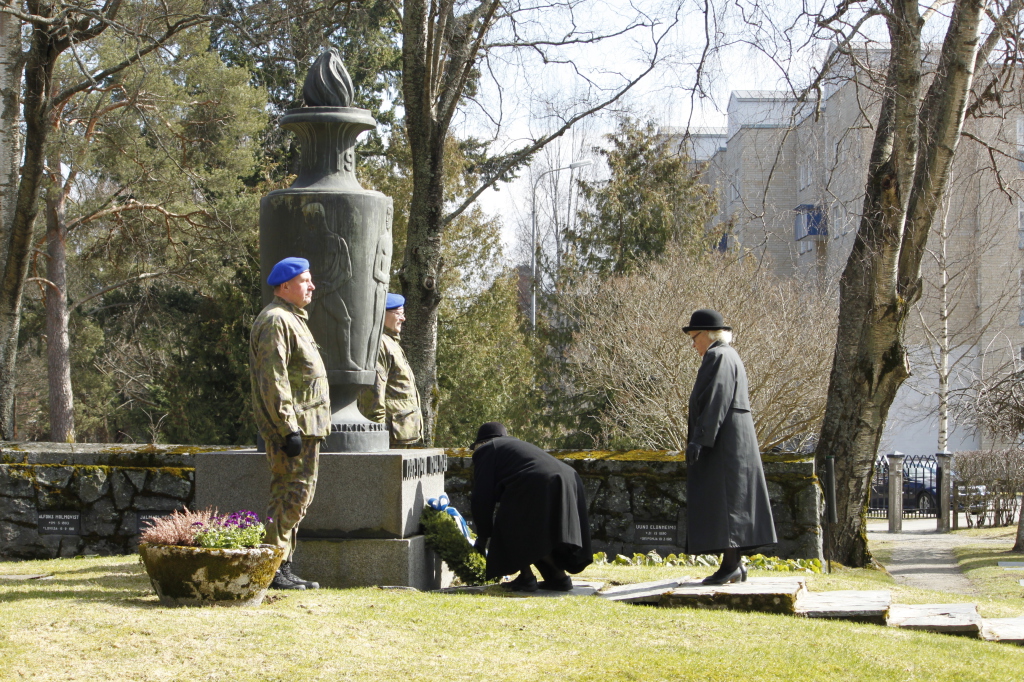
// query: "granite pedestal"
[[362, 527]]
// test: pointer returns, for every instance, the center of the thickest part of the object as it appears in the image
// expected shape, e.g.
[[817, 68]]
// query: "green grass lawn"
[[981, 563], [98, 619]]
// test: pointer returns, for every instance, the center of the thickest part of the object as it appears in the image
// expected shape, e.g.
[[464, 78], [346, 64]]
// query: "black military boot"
[[286, 569], [283, 582]]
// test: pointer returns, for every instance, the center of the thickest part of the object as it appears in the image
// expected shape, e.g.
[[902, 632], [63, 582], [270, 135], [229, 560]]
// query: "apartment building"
[[790, 178]]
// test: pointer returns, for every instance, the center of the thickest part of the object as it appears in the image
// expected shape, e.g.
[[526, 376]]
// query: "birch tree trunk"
[[908, 173]]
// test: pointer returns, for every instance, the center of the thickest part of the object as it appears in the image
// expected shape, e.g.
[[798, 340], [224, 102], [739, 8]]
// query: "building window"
[[809, 222], [1020, 318], [1020, 143], [1020, 223], [836, 218], [734, 186]]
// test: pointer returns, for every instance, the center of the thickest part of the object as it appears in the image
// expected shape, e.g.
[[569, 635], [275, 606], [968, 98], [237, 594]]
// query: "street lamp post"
[[533, 238]]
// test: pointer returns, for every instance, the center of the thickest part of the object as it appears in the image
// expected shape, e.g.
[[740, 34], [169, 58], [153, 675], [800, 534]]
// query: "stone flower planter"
[[203, 576]]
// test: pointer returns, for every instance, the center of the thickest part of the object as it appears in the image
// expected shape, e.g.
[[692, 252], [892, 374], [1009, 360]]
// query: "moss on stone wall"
[[642, 455]]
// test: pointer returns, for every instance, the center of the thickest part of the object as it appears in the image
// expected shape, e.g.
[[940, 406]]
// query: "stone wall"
[[98, 495], [637, 499], [60, 499]]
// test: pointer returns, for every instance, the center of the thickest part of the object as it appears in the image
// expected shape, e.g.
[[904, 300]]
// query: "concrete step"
[[769, 595], [952, 619], [861, 606], [642, 593], [1008, 630]]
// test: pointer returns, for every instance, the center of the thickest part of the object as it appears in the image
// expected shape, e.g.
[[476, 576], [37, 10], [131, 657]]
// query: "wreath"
[[442, 534]]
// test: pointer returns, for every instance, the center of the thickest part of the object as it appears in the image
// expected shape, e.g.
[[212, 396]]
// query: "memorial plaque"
[[418, 467], [145, 518], [654, 533], [59, 523]]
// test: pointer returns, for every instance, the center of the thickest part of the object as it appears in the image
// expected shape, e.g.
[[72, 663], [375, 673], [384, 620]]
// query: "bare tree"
[[969, 289], [446, 47], [917, 133], [631, 352]]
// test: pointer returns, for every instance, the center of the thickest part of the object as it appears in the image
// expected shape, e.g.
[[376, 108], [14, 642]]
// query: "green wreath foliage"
[[444, 537]]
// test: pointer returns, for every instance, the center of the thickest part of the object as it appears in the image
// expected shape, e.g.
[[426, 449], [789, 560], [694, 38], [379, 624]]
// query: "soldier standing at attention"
[[394, 399], [291, 401]]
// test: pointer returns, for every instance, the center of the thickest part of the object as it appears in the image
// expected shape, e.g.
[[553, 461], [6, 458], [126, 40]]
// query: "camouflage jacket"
[[289, 381], [394, 399]]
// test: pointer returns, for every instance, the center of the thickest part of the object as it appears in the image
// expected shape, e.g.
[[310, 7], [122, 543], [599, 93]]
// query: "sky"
[[525, 94], [764, 47]]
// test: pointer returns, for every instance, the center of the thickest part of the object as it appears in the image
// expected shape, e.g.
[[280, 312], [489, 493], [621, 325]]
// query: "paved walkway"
[[922, 557]]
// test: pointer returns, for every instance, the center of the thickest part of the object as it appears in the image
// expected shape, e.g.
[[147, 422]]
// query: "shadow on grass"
[[113, 583]]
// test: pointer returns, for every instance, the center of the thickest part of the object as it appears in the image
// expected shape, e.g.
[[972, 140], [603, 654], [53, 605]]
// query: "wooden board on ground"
[[1009, 630], [861, 606], [953, 619], [642, 593], [769, 595], [34, 576]]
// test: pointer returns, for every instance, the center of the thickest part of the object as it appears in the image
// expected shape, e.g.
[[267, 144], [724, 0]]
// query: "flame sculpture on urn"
[[345, 233]]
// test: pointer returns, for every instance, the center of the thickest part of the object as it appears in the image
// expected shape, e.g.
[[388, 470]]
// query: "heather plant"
[[206, 528], [234, 531], [178, 528]]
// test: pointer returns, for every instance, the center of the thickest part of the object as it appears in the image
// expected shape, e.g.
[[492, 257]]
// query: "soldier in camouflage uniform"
[[292, 406], [394, 399]]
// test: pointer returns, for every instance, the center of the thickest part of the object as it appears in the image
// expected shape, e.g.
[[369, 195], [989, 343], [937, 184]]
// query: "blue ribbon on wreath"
[[440, 503]]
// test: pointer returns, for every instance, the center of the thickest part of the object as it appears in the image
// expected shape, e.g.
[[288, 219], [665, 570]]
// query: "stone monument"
[[345, 233], [362, 527]]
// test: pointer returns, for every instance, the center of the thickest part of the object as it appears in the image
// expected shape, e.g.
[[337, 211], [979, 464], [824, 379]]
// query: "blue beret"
[[286, 269], [394, 301]]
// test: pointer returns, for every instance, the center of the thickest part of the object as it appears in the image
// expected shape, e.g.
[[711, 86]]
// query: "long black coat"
[[542, 508], [727, 502]]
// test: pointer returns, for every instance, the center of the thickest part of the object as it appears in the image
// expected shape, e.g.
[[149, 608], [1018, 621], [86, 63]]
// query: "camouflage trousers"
[[292, 484]]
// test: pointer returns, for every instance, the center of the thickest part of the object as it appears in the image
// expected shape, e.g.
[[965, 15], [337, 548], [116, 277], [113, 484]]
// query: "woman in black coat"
[[728, 510], [541, 516]]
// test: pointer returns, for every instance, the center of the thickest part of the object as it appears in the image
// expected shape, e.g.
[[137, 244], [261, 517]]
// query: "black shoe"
[[720, 578], [286, 569], [743, 571], [283, 582], [526, 582], [558, 585]]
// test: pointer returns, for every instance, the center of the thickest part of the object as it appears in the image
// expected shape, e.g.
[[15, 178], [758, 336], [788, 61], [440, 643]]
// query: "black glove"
[[481, 544], [692, 453], [293, 444]]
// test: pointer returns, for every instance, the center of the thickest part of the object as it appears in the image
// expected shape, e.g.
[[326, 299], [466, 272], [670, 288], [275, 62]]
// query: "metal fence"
[[920, 488]]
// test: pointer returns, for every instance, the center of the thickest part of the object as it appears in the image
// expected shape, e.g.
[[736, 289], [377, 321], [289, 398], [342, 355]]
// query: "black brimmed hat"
[[706, 319], [488, 431]]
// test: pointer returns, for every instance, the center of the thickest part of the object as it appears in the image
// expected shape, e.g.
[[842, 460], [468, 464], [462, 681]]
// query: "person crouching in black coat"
[[541, 516]]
